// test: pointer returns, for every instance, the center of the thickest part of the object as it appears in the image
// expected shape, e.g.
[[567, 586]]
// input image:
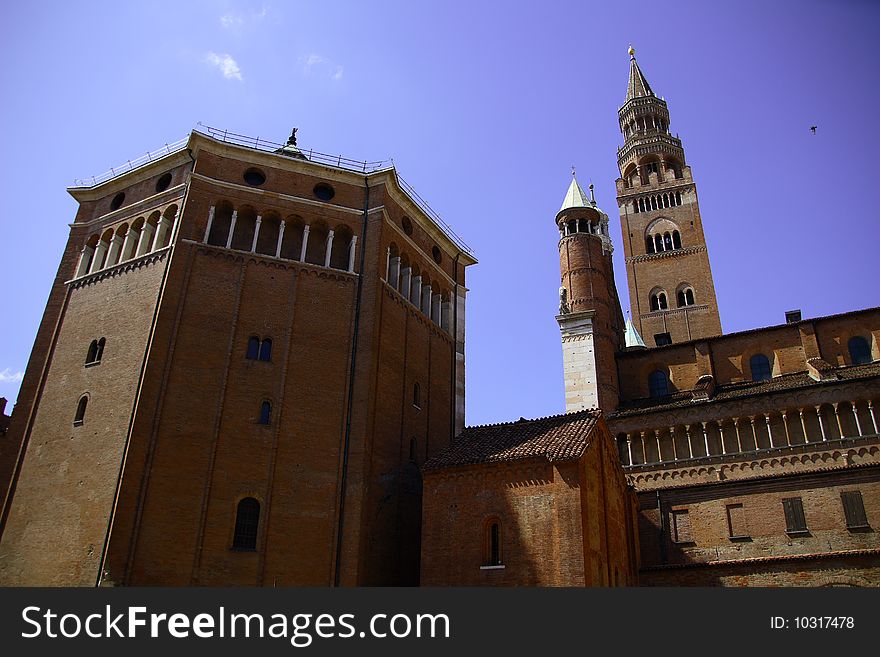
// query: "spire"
[[638, 86], [575, 196], [632, 337]]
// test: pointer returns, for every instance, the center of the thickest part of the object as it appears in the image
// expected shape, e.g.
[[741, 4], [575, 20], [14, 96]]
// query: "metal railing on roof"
[[130, 165], [311, 154], [267, 145]]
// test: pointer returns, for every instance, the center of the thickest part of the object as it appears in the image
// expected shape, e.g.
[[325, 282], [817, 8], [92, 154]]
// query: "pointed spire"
[[575, 196], [632, 337], [638, 85]]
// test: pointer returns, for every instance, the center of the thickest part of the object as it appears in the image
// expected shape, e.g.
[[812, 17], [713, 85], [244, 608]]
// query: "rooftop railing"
[[258, 143]]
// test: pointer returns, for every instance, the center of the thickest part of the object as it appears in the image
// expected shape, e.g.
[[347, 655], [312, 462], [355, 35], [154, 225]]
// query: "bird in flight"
[[813, 129]]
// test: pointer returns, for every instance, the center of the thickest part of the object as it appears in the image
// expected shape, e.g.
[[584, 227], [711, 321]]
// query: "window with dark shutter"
[[854, 510], [795, 522], [681, 527]]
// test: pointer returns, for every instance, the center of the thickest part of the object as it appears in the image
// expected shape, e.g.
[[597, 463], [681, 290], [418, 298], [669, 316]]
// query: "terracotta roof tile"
[[557, 438]]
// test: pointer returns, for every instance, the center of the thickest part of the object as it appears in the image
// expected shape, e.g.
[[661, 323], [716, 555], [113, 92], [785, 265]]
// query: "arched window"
[[658, 243], [658, 383], [667, 242], [759, 364], [685, 297], [859, 350], [661, 301], [80, 416], [253, 348], [677, 194], [265, 412], [492, 543], [676, 239], [247, 520], [96, 350], [417, 396], [649, 244], [266, 349], [655, 305]]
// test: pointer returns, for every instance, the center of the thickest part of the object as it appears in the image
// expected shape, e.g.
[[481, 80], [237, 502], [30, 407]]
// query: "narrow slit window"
[[266, 350], [253, 348], [247, 520], [265, 413], [80, 416]]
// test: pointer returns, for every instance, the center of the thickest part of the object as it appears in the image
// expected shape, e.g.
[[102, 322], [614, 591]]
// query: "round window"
[[163, 182], [407, 225], [117, 201], [254, 177], [438, 257], [324, 191]]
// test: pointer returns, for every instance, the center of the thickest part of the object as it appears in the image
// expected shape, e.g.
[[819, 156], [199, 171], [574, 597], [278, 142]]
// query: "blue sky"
[[484, 107]]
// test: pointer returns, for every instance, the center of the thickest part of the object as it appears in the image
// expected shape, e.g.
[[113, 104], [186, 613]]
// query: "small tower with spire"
[[671, 291], [589, 317]]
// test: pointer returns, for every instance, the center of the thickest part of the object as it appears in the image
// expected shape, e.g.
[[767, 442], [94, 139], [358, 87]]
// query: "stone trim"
[[414, 312], [119, 268], [667, 254], [271, 261]]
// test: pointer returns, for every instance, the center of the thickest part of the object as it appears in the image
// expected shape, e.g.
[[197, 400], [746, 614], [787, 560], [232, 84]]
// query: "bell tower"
[[671, 291], [589, 317]]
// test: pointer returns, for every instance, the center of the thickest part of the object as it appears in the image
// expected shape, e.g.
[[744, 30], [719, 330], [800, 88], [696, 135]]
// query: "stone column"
[[644, 449], [352, 249], [280, 239], [705, 438], [739, 445], [435, 308], [687, 431], [803, 425], [821, 424], [426, 300], [256, 234], [165, 226], [98, 258], [785, 426], [769, 430], [837, 417], [231, 229], [871, 413], [329, 250], [305, 244], [659, 451], [210, 223], [414, 292], [84, 261], [720, 424], [113, 253], [674, 448], [629, 449], [754, 432], [145, 243], [130, 245], [856, 416]]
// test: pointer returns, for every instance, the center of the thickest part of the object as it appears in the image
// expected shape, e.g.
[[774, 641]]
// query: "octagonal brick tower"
[[589, 310]]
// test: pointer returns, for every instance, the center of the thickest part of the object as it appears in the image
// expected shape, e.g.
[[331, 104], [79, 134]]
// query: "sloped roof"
[[638, 86], [556, 438], [632, 337], [575, 197]]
